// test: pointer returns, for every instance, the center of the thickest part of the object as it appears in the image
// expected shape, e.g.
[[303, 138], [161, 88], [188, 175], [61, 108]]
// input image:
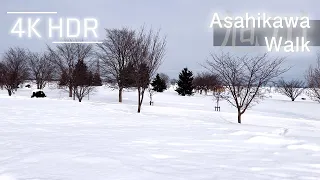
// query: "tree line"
[[130, 59]]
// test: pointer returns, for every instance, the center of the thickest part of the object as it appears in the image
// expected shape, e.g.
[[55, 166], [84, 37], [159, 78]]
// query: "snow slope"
[[176, 139]]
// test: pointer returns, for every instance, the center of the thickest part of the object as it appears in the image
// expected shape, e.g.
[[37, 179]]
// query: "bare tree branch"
[[313, 81], [41, 68], [149, 50], [66, 56], [244, 77], [14, 68], [115, 53], [291, 89]]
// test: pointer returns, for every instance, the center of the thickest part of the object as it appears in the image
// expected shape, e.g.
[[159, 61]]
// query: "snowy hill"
[[177, 138]]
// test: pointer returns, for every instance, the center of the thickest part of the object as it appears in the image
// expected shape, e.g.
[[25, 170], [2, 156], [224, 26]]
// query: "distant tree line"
[[129, 58]]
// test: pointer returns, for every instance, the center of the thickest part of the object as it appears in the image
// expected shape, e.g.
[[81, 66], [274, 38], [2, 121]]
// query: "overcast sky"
[[184, 22]]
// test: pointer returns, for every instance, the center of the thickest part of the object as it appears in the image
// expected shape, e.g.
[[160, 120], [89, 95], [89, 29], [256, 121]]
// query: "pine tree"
[[185, 86], [158, 84], [82, 80], [96, 80], [81, 74], [90, 78], [63, 81]]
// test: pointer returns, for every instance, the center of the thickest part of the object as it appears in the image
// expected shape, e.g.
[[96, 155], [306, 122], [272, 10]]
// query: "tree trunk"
[[70, 91], [139, 107], [9, 92], [139, 100], [239, 117], [74, 94], [120, 94], [80, 99]]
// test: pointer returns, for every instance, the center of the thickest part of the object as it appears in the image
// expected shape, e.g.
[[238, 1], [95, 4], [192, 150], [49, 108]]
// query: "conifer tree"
[[185, 86], [158, 84], [63, 81], [83, 80], [81, 74], [97, 79]]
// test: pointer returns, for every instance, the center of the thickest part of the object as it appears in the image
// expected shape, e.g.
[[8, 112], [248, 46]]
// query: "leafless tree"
[[292, 89], [313, 81], [173, 81], [115, 53], [41, 68], [243, 77], [65, 57], [14, 68], [149, 50], [1, 75], [166, 78], [205, 81]]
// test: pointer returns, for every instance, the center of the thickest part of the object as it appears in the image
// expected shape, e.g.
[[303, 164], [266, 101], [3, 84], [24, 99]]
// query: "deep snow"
[[57, 138]]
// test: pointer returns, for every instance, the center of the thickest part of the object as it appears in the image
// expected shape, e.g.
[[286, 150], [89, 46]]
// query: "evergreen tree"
[[96, 79], [158, 84], [185, 86], [81, 74], [91, 79], [82, 80], [63, 81]]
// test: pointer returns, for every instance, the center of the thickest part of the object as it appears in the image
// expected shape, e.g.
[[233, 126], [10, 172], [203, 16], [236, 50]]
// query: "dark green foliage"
[[63, 81], [185, 85], [90, 78], [81, 76], [158, 84], [96, 79]]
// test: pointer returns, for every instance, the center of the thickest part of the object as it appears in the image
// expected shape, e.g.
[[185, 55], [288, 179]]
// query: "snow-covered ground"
[[179, 138]]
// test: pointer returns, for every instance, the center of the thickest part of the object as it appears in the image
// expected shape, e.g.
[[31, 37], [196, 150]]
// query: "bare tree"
[[313, 81], [243, 77], [65, 57], [165, 78], [149, 50], [41, 68], [205, 81], [115, 54], [14, 68], [291, 89], [173, 81], [2, 68]]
